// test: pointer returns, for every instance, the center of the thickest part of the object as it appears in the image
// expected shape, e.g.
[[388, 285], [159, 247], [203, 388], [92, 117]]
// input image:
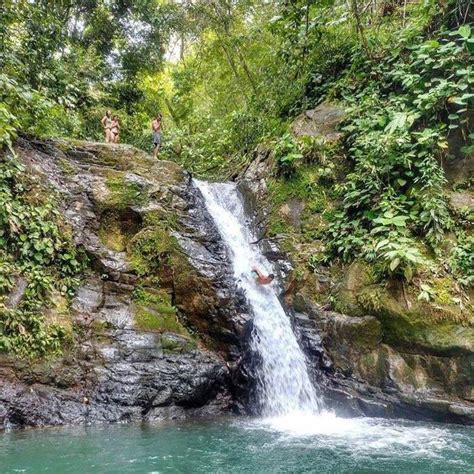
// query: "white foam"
[[364, 436]]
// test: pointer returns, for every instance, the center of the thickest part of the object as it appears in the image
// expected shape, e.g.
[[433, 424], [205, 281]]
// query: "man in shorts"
[[156, 128]]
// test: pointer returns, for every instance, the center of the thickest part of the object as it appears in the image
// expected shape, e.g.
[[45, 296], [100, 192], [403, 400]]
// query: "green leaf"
[[465, 31], [400, 221], [394, 264]]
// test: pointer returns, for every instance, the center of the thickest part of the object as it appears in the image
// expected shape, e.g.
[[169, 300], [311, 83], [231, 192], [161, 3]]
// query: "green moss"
[[161, 218], [175, 345], [303, 186], [111, 235], [422, 325], [146, 296], [123, 193], [370, 298], [154, 312], [158, 318], [117, 228], [149, 249], [278, 226], [443, 288], [66, 167]]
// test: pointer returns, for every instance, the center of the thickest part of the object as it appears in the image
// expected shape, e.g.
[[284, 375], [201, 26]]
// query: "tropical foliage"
[[36, 247]]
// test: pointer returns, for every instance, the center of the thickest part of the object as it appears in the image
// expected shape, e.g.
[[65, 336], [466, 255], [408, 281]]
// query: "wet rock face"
[[204, 288], [360, 375], [131, 378], [145, 230]]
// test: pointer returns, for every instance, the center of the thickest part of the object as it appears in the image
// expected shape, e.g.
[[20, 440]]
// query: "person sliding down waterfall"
[[261, 278]]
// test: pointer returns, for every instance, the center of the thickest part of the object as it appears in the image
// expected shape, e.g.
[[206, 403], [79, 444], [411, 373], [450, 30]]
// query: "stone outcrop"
[[361, 375], [157, 321], [320, 122]]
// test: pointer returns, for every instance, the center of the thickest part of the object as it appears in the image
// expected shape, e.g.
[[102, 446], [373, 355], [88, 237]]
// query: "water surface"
[[320, 444]]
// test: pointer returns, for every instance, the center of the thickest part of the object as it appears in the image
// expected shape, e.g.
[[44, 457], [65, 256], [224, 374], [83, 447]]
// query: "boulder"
[[16, 294], [291, 211], [320, 122], [460, 201], [408, 324]]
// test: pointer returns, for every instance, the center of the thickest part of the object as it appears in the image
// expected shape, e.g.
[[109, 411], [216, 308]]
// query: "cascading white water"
[[285, 387]]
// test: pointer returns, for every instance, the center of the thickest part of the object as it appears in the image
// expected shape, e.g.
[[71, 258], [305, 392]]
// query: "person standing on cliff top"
[[114, 130], [156, 125], [107, 124]]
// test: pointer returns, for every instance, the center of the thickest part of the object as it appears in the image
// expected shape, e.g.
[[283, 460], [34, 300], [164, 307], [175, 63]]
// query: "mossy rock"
[[425, 327], [438, 327], [413, 330], [356, 277], [321, 121], [154, 311], [149, 249], [66, 167], [121, 157], [158, 317], [118, 156], [353, 343], [173, 344], [371, 366], [57, 314], [124, 192], [117, 228]]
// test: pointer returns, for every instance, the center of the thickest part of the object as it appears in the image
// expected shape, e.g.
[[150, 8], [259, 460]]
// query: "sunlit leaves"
[[395, 193]]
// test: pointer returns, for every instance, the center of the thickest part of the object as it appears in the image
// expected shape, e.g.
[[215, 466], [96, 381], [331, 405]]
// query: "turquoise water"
[[323, 444]]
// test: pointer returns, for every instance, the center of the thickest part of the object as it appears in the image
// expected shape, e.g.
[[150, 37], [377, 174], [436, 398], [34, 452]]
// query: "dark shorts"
[[156, 138]]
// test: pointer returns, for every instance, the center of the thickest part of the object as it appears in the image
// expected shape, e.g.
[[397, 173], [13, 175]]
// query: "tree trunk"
[[359, 27], [232, 64], [246, 69]]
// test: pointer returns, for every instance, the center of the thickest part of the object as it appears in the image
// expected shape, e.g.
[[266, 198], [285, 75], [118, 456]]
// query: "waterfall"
[[284, 386]]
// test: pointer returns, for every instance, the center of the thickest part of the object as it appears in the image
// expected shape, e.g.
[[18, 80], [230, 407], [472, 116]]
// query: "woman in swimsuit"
[[107, 123], [115, 130]]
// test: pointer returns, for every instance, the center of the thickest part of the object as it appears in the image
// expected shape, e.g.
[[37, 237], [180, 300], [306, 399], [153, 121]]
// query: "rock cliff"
[[156, 321], [384, 353]]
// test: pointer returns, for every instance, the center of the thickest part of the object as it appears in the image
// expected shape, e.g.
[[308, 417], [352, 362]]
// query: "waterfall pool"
[[320, 444]]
